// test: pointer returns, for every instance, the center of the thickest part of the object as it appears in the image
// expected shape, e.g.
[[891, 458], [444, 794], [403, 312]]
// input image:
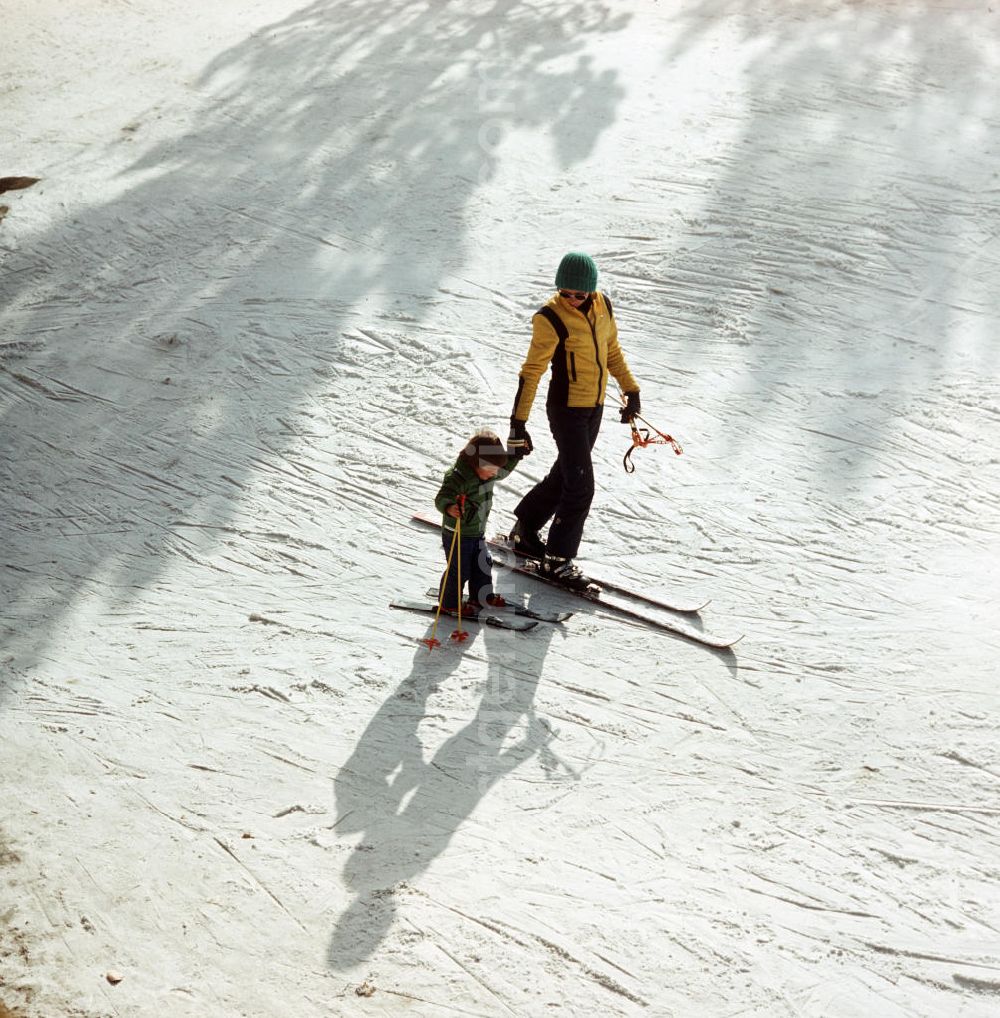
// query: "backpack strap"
[[555, 321], [607, 301]]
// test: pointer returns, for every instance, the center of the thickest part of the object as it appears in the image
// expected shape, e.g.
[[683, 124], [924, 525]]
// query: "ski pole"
[[432, 640], [459, 634]]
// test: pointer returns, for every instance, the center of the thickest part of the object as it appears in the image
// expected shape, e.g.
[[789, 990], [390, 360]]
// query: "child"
[[480, 464]]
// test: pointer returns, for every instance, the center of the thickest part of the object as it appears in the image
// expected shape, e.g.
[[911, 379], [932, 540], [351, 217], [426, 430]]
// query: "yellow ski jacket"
[[582, 348]]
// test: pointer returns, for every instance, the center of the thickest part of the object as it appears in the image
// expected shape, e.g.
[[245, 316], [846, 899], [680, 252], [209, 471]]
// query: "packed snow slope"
[[280, 262]]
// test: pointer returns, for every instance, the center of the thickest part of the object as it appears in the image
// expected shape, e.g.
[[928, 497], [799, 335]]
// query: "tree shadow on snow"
[[157, 346], [847, 235]]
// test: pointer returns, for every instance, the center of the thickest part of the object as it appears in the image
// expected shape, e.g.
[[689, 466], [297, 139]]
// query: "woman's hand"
[[631, 408], [453, 511]]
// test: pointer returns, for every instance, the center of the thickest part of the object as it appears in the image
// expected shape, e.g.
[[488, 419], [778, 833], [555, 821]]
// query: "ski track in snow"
[[280, 263]]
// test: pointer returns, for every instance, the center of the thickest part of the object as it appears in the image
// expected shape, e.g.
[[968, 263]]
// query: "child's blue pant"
[[476, 565]]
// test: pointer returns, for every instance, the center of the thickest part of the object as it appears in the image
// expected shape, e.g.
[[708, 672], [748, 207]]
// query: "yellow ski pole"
[[459, 634], [432, 640]]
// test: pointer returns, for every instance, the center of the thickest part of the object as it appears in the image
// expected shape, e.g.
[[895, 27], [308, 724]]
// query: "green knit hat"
[[577, 271]]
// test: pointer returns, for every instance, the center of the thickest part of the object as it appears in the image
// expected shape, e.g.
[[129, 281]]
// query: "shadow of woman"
[[409, 807]]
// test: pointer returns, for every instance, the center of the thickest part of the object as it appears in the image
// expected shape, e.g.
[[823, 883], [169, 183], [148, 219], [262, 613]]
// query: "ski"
[[529, 567], [502, 541], [487, 618], [520, 609], [615, 588]]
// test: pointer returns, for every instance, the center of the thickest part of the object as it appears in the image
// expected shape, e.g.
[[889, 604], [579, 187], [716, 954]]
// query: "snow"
[[281, 261]]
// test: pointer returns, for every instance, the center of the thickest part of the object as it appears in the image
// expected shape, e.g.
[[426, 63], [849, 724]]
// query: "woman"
[[575, 333]]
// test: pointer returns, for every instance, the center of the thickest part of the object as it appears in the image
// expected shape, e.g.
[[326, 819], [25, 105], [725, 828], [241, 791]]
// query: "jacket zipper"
[[597, 356]]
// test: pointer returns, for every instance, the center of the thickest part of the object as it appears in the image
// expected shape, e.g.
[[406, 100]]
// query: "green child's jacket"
[[461, 479]]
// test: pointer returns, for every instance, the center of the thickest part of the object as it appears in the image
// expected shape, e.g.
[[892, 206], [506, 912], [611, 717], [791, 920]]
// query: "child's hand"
[[453, 511]]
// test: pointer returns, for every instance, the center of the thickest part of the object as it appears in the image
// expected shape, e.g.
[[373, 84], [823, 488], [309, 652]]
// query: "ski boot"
[[470, 610], [526, 542], [564, 572]]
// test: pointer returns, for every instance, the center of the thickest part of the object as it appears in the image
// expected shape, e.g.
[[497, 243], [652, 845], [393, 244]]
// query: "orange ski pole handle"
[[641, 437]]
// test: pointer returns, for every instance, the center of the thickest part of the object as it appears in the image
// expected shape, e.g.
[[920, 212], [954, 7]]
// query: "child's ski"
[[487, 618], [513, 608]]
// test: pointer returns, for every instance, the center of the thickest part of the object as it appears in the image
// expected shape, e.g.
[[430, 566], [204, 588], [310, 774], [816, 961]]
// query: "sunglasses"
[[573, 295]]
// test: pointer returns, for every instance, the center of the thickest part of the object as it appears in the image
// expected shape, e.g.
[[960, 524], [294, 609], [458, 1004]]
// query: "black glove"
[[519, 441], [631, 408]]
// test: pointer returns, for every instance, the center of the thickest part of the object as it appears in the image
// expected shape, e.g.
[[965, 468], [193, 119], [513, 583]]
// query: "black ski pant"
[[564, 495]]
